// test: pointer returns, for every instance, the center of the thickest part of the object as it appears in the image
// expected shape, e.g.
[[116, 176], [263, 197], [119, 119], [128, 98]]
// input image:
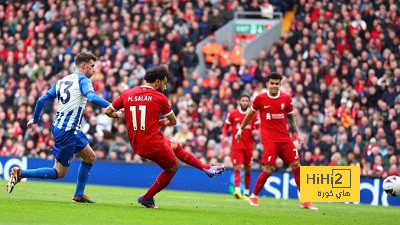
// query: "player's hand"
[[31, 124], [162, 122], [117, 115], [238, 137]]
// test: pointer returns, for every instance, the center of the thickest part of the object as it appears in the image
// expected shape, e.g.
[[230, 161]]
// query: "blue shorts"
[[66, 144]]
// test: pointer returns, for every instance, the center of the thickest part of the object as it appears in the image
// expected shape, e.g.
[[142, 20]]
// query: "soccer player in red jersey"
[[241, 152], [275, 107], [143, 106]]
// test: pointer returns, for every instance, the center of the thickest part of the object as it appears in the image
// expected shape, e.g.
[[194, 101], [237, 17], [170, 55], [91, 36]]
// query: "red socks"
[[161, 182], [247, 177], [189, 158], [236, 178], [296, 173], [260, 182], [264, 176]]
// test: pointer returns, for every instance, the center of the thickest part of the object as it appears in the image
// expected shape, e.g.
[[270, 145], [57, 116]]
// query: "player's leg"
[[237, 162], [248, 154], [88, 156], [247, 178], [291, 157], [191, 160], [162, 181], [167, 160], [63, 151], [268, 161], [17, 174]]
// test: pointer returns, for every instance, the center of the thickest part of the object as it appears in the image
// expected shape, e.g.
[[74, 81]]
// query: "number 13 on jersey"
[[142, 109]]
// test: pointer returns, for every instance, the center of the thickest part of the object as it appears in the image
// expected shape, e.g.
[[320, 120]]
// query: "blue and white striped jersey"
[[71, 101], [72, 93]]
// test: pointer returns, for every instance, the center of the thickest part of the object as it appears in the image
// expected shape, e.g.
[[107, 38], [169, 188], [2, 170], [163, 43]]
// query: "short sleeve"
[[165, 108], [229, 119], [289, 108], [85, 85], [118, 103], [256, 104]]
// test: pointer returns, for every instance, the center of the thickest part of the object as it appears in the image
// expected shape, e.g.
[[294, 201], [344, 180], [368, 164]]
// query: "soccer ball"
[[391, 185]]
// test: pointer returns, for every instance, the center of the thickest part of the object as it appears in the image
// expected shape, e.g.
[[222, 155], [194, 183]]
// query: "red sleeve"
[[256, 104], [118, 103], [227, 124], [289, 107], [165, 108], [229, 119]]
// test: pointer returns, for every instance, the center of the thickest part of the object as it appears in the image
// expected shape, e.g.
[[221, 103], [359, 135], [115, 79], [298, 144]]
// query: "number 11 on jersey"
[[142, 109]]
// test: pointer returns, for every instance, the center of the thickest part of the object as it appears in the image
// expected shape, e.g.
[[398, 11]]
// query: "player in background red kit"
[[241, 152], [143, 106], [275, 107]]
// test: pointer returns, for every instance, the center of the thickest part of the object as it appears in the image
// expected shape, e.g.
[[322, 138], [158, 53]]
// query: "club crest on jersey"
[[282, 106], [268, 116]]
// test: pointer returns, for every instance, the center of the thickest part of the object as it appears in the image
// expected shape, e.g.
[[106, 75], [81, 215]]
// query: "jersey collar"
[[274, 97], [147, 86], [79, 73]]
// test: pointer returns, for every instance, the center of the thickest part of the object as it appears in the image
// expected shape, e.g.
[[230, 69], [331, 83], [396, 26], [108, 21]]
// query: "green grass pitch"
[[50, 203]]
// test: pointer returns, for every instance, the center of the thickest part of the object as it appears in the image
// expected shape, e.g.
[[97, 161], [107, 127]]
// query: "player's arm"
[[49, 96], [112, 109], [225, 129], [171, 120], [292, 123], [293, 127], [227, 124], [87, 89], [112, 112], [247, 119], [167, 112]]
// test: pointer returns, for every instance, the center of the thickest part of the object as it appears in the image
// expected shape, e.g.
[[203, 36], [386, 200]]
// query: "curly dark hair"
[[157, 73], [274, 76]]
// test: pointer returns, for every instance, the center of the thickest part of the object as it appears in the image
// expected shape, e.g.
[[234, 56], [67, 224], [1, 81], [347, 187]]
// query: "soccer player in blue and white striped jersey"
[[72, 92]]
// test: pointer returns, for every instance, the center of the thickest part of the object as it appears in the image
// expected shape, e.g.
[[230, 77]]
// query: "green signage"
[[249, 28]]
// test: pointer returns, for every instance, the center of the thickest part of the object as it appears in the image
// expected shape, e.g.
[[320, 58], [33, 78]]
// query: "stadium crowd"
[[340, 63]]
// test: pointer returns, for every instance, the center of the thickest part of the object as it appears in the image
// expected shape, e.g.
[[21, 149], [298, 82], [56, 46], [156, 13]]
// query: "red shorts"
[[285, 150], [241, 156], [163, 156]]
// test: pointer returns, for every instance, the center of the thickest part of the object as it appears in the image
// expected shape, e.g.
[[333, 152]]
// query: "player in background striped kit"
[[72, 93]]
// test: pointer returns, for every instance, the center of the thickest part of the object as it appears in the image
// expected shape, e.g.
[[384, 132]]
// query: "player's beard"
[[244, 109], [160, 89]]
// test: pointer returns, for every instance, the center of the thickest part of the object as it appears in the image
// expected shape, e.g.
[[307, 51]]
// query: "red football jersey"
[[143, 106], [235, 119], [273, 111]]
